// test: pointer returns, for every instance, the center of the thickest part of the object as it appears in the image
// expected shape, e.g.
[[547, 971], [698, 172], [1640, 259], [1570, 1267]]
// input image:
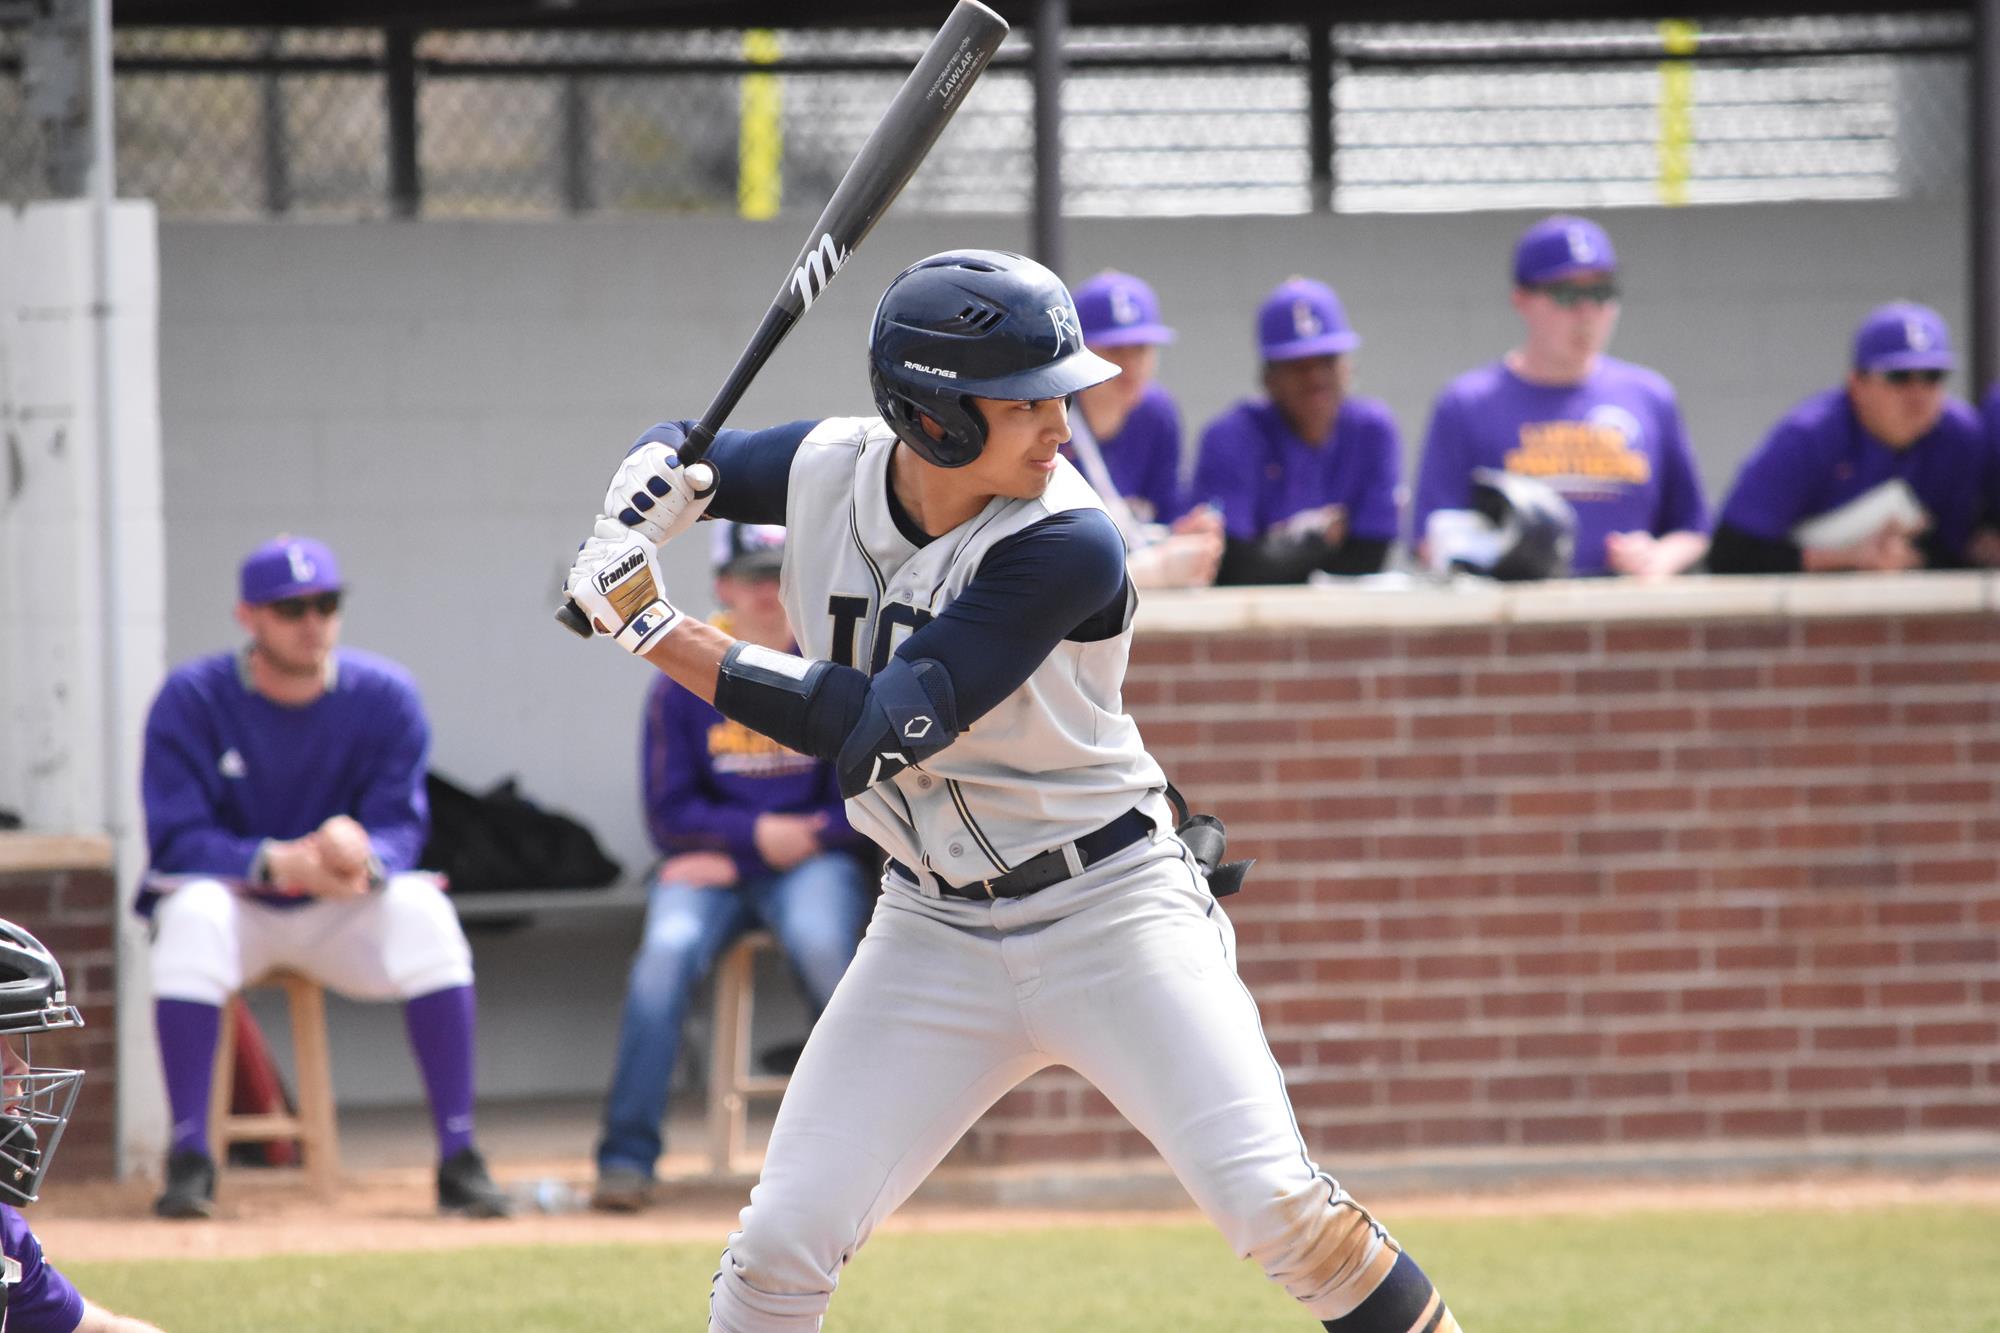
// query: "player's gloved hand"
[[616, 580], [655, 496]]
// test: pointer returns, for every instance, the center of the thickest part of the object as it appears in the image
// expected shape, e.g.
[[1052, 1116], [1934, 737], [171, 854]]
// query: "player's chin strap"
[[1209, 841]]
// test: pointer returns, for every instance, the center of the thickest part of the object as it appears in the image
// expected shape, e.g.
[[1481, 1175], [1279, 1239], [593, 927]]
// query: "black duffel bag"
[[501, 840]]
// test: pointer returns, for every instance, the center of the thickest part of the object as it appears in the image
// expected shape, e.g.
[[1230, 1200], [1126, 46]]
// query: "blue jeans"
[[817, 910]]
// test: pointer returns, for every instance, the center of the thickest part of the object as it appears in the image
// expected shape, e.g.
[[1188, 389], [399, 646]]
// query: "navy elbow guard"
[[774, 693], [911, 713]]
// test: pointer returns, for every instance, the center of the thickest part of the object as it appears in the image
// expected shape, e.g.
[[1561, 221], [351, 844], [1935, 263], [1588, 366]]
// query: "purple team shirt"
[[226, 768], [707, 779], [1144, 457], [1818, 457], [1613, 445], [43, 1301], [1259, 473], [1990, 414]]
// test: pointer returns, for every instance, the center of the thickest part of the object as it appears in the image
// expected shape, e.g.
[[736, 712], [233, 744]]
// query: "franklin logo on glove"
[[612, 577], [616, 581]]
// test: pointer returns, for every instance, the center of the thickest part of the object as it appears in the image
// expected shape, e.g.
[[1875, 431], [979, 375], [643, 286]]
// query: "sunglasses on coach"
[[1568, 294], [1902, 377], [295, 608]]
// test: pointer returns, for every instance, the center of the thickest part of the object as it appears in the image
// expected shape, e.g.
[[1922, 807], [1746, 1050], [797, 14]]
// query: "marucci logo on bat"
[[607, 579], [817, 268]]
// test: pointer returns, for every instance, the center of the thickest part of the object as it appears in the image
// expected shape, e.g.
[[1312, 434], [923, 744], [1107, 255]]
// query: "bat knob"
[[703, 477], [571, 617]]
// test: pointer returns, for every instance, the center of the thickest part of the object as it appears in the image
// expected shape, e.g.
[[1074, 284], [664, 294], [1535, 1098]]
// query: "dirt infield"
[[391, 1211]]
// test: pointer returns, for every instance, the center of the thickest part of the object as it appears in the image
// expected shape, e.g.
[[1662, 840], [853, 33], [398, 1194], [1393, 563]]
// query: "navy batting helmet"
[[1537, 526], [35, 1103], [973, 324], [1517, 528]]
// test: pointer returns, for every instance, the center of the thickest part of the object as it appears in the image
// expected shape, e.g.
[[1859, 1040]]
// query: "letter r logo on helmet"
[[971, 324]]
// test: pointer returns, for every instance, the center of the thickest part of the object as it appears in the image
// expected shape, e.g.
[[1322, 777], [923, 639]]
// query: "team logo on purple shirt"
[[735, 749], [1599, 450]]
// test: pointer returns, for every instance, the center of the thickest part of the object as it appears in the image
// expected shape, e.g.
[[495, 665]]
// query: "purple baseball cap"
[[288, 567], [747, 550], [1903, 336], [1302, 318], [1119, 310], [1558, 247]]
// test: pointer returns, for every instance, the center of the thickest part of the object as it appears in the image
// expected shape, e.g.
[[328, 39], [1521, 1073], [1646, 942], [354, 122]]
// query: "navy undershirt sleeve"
[[755, 466], [1031, 592]]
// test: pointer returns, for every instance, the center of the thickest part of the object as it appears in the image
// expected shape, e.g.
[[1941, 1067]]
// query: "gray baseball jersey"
[[1057, 760]]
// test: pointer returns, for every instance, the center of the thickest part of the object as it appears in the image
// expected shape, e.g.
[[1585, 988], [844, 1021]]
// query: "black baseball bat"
[[895, 149]]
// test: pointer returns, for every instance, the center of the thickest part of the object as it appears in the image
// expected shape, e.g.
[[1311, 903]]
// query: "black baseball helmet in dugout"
[[35, 1103], [1518, 528], [973, 324]]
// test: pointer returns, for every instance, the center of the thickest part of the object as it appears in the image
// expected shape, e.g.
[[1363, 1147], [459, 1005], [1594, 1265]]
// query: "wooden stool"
[[731, 1083], [313, 1126]]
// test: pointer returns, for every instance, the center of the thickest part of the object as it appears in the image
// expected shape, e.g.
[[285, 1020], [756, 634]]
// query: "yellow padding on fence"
[[760, 136]]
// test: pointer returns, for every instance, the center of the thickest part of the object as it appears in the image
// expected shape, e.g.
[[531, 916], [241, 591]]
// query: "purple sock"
[[440, 1027], [187, 1032]]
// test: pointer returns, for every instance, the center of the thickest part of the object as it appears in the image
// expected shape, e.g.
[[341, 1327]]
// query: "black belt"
[[1051, 867]]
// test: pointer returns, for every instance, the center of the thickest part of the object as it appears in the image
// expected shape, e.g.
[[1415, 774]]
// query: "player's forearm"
[[1274, 558], [691, 654], [1358, 555], [1676, 551], [198, 850], [1735, 551], [97, 1319]]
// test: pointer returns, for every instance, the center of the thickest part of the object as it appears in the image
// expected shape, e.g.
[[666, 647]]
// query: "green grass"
[[1932, 1269]]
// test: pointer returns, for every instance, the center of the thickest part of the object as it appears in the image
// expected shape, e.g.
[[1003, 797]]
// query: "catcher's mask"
[[35, 1102]]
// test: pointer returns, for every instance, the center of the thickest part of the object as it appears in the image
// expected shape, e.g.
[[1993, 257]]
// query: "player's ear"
[[243, 618], [932, 427]]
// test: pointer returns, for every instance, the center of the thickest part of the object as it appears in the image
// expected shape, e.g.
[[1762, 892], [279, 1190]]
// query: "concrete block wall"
[[1600, 885]]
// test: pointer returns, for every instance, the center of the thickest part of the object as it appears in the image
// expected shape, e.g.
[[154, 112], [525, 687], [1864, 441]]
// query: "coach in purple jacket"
[[753, 835], [284, 793], [1606, 434]]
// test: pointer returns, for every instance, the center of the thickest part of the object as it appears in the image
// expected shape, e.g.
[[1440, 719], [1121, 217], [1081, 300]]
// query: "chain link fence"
[[244, 123]]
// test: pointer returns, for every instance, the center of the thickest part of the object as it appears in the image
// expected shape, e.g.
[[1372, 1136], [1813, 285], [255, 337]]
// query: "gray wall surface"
[[443, 402]]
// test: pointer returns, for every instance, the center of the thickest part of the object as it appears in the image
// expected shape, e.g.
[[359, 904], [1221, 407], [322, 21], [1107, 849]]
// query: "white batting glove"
[[652, 494], [616, 580]]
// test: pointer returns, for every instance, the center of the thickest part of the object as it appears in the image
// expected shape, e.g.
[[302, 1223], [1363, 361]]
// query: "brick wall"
[[70, 908], [1619, 883]]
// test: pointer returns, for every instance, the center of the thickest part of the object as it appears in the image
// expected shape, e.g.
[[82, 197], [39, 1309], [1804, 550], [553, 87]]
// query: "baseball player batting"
[[964, 619]]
